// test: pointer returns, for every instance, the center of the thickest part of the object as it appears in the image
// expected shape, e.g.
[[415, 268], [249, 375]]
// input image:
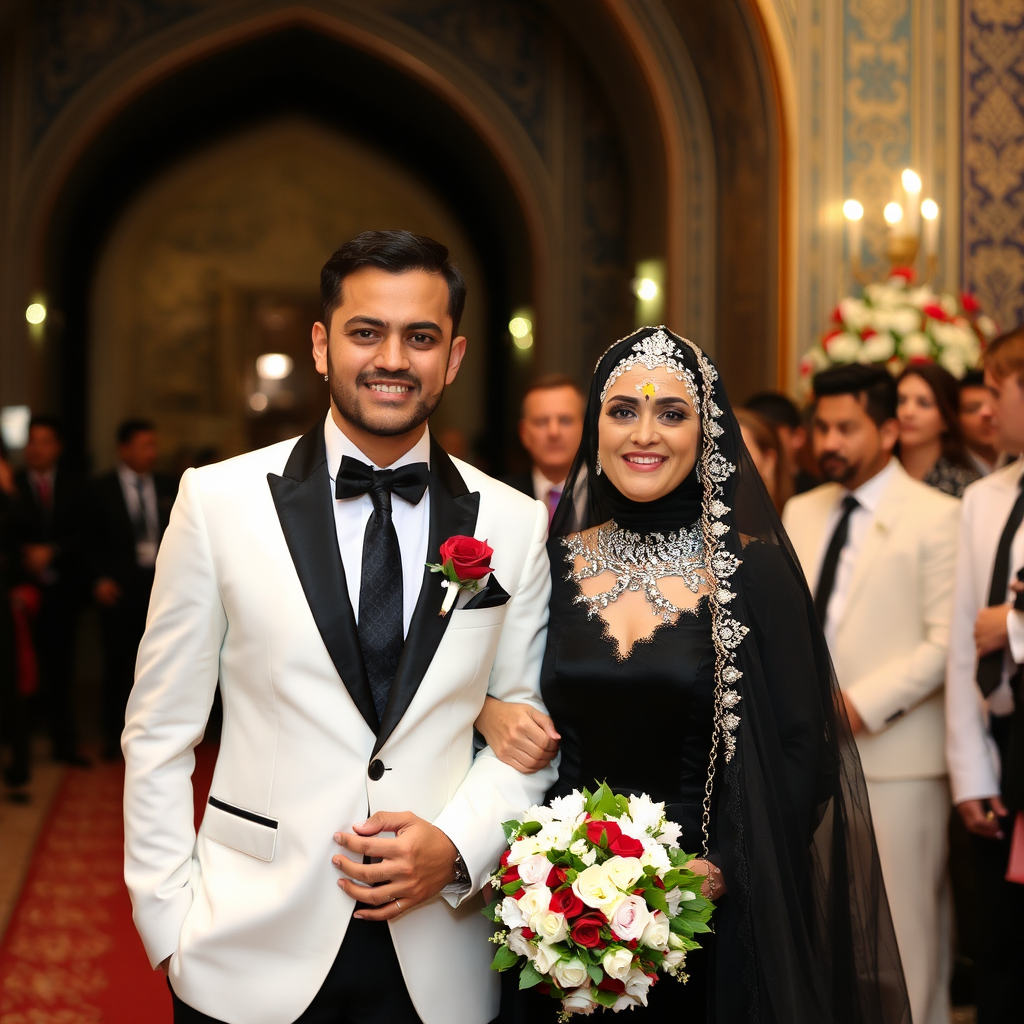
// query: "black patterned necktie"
[[830, 564], [380, 583], [990, 667]]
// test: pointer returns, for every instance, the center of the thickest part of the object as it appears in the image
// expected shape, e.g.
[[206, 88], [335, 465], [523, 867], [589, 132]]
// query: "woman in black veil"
[[685, 660]]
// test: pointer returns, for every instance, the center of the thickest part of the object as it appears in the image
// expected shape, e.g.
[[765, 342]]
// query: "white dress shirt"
[[868, 495], [542, 488], [412, 522], [145, 550]]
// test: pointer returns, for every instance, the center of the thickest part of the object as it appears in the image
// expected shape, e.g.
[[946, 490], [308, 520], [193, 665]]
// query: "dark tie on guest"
[[830, 564], [990, 667], [554, 497], [140, 525], [381, 633]]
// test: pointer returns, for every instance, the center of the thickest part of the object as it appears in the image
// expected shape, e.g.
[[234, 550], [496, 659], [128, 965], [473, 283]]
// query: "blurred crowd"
[[902, 500]]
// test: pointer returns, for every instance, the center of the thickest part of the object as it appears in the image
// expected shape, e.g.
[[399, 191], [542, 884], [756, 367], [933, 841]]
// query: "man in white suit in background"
[[350, 818], [878, 550], [984, 705]]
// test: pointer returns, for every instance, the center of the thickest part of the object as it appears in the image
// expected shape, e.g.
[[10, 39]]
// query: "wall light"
[[646, 289], [258, 401], [274, 366], [520, 326], [911, 181], [852, 210], [893, 213], [929, 209], [36, 313]]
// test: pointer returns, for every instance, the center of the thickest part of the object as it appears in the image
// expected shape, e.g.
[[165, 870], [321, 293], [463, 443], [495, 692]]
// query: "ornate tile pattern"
[[993, 157]]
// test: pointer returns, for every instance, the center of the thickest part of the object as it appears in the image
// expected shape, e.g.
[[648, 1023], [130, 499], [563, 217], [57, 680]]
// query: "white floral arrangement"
[[895, 324], [593, 899]]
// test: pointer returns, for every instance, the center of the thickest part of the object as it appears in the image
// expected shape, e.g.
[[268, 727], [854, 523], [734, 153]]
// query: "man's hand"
[[982, 817], [107, 592], [414, 866], [853, 716], [990, 629], [518, 734], [164, 965], [37, 558]]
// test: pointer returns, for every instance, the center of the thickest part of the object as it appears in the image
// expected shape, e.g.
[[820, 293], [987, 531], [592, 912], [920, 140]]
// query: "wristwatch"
[[461, 877]]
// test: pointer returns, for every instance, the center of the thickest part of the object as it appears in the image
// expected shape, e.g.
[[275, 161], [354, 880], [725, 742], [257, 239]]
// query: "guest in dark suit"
[[49, 526], [550, 429], [781, 412], [129, 510]]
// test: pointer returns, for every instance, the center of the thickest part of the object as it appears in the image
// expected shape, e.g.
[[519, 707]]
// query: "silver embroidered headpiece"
[[657, 349]]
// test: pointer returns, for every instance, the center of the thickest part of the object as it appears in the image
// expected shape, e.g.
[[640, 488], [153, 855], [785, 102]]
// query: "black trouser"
[[122, 627], [54, 633], [13, 713], [999, 964], [363, 986]]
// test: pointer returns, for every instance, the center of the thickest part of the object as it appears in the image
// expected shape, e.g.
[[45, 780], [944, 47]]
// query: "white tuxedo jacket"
[[890, 648], [974, 767], [250, 590]]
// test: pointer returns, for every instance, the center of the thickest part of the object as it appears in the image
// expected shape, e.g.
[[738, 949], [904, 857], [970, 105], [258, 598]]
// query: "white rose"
[[523, 848], [625, 1002], [952, 359], [855, 313], [511, 913], [519, 945], [623, 871], [568, 808], [904, 320], [579, 848], [675, 942], [988, 327], [657, 932], [843, 348], [534, 869], [878, 348], [534, 900], [617, 962], [579, 1001], [630, 918], [569, 973], [674, 958], [916, 344], [637, 984], [549, 925], [595, 888], [544, 957]]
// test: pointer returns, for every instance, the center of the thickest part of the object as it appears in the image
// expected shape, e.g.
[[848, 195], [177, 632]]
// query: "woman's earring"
[[598, 463], [326, 377]]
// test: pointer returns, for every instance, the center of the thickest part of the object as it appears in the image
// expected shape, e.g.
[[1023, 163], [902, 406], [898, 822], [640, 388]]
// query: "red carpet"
[[71, 954]]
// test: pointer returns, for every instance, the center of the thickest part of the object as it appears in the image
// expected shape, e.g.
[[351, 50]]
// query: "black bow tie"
[[356, 478]]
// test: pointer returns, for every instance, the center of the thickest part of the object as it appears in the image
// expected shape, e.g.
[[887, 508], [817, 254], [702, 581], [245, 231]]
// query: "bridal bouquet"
[[593, 899]]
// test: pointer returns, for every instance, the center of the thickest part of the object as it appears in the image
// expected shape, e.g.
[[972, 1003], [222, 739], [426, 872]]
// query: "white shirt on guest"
[[412, 522], [145, 550], [542, 487], [868, 495]]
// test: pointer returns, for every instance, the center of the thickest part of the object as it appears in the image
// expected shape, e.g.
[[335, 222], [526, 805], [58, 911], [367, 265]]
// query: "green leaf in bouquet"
[[656, 899], [511, 830], [607, 999], [514, 886], [504, 959], [491, 910], [678, 858], [530, 828], [529, 976], [596, 973], [655, 957], [621, 805]]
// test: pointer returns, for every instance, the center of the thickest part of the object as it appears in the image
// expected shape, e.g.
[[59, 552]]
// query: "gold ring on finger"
[[990, 815], [397, 904]]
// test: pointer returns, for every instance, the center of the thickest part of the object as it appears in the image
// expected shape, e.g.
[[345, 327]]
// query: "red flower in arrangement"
[[587, 931], [609, 984], [528, 933], [970, 303], [868, 332], [837, 315], [610, 829], [504, 858], [469, 557], [565, 901], [907, 273], [556, 877], [626, 846], [935, 311], [512, 875], [831, 334]]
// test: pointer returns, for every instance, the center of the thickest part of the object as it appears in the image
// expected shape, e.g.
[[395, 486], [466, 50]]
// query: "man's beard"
[[836, 469], [384, 422]]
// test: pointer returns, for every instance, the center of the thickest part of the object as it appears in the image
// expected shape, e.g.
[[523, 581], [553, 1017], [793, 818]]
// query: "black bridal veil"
[[804, 934]]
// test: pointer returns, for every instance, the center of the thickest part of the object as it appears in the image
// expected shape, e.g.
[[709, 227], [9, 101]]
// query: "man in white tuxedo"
[[350, 818], [984, 705], [878, 550]]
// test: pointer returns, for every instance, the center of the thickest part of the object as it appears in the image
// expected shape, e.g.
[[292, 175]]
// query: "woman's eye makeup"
[[621, 411]]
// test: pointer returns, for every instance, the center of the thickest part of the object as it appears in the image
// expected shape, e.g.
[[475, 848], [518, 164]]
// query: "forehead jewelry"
[[648, 389], [655, 350]]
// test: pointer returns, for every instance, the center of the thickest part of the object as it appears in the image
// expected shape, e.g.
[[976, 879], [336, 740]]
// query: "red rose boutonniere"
[[464, 563]]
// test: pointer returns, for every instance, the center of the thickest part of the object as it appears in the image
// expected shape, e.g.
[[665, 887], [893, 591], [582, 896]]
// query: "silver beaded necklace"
[[637, 562]]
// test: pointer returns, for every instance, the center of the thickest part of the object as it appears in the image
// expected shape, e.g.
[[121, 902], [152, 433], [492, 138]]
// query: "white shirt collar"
[[339, 445], [869, 494], [542, 486], [129, 476]]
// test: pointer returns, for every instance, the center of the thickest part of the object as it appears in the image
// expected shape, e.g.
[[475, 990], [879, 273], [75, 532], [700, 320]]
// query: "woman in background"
[[768, 455], [931, 445]]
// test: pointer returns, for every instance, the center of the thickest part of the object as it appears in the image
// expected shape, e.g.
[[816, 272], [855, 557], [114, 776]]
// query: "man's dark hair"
[[395, 252], [129, 428], [548, 382], [873, 386], [50, 422], [972, 379], [776, 408]]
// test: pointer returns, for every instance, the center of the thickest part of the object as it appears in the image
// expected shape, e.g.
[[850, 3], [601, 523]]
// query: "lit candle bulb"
[[930, 213], [893, 214], [912, 191], [854, 214]]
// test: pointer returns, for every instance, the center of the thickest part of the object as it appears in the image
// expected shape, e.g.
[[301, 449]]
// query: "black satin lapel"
[[303, 500], [453, 511]]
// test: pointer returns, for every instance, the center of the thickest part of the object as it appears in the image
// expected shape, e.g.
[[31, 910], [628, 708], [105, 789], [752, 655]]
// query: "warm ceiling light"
[[929, 209], [274, 366], [36, 313], [893, 213], [852, 210], [258, 401], [646, 288], [520, 327], [911, 181]]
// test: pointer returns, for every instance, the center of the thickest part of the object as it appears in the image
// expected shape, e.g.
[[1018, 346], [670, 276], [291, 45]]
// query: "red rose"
[[595, 829], [469, 557], [587, 931], [566, 902], [837, 315], [504, 858], [626, 846], [868, 332], [970, 303], [527, 933], [612, 985], [935, 311], [512, 875], [907, 273], [556, 877]]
